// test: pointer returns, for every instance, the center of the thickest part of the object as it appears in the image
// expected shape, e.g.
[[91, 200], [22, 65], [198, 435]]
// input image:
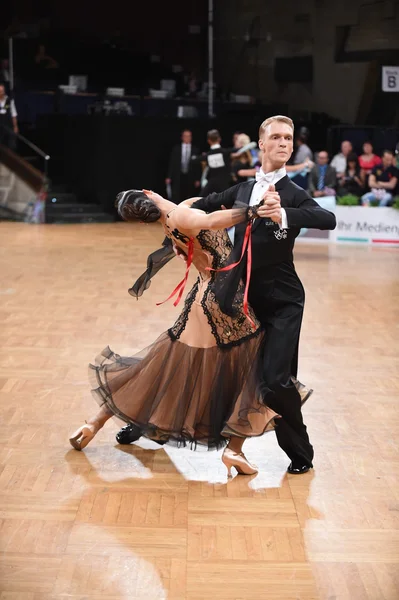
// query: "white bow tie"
[[264, 177]]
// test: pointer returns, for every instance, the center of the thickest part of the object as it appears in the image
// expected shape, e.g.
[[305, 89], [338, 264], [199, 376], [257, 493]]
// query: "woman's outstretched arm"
[[190, 201]]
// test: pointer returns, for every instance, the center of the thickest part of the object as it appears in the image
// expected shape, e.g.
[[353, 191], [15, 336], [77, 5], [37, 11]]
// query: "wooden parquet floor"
[[144, 522]]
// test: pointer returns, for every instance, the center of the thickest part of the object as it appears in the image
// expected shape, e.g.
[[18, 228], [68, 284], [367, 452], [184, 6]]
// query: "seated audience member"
[[322, 178], [368, 160], [382, 181], [339, 160], [353, 180]]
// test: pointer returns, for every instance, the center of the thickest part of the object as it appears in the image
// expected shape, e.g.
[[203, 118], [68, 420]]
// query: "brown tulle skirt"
[[185, 395]]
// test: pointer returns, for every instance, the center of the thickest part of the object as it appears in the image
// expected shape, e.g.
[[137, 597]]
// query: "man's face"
[[186, 137], [346, 148], [2, 91], [277, 142], [322, 158], [387, 160]]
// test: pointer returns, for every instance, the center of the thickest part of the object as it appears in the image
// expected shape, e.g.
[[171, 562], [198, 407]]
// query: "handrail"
[[34, 177], [31, 145]]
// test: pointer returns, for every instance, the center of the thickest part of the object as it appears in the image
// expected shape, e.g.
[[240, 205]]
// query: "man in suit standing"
[[183, 174], [322, 178]]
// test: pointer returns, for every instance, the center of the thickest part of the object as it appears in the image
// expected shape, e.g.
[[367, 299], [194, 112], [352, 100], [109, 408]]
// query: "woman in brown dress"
[[199, 383]]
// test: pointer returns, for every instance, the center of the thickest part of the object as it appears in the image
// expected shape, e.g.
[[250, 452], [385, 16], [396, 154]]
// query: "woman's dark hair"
[[134, 205], [352, 157]]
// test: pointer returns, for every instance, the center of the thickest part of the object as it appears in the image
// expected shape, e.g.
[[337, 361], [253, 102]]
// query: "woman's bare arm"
[[193, 220], [190, 201]]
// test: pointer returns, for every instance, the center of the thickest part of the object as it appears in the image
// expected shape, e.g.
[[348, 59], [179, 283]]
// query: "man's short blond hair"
[[276, 118]]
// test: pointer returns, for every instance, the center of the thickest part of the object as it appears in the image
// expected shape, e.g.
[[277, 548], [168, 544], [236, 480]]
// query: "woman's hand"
[[153, 195]]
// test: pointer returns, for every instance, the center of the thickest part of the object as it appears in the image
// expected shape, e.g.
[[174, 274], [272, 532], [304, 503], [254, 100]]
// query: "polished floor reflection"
[[145, 522]]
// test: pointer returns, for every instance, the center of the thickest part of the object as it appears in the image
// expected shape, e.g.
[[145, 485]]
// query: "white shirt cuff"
[[284, 221]]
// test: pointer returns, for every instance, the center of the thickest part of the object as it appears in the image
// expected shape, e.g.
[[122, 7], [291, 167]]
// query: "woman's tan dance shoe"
[[239, 462], [83, 435]]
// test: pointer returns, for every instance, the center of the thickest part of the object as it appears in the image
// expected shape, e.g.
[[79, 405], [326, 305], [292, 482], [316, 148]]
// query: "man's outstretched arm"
[[217, 201]]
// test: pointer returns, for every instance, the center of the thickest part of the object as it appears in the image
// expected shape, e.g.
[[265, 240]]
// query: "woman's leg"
[[367, 198], [235, 444], [386, 199], [102, 416]]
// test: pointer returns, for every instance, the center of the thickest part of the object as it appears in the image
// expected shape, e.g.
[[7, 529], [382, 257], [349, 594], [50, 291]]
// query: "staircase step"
[[73, 207], [64, 218]]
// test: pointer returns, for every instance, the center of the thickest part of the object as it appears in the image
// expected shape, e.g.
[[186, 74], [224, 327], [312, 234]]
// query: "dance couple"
[[227, 368]]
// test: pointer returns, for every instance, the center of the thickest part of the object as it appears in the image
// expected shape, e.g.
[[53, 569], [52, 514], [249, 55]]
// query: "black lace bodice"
[[227, 330]]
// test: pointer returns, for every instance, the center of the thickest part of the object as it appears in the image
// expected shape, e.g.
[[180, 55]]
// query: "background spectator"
[[303, 151], [322, 177], [218, 161], [382, 181], [368, 160], [235, 138], [4, 70], [243, 140], [243, 162], [183, 174], [193, 85], [353, 180], [8, 118], [43, 60], [339, 160]]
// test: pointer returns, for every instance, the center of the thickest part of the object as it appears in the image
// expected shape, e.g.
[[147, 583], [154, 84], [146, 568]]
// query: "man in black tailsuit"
[[276, 293]]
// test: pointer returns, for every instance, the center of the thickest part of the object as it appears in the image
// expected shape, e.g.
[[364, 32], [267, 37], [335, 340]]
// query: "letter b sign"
[[390, 79]]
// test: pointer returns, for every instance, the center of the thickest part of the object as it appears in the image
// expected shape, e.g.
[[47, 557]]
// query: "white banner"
[[367, 225]]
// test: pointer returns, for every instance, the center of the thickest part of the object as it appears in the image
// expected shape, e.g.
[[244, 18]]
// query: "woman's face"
[[367, 148], [352, 164]]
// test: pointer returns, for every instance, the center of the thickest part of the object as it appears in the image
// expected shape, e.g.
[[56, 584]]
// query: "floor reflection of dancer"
[[199, 383]]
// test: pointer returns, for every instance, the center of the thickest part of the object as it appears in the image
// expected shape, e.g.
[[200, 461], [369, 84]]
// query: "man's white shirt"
[[264, 181], [13, 110], [339, 163], [185, 157]]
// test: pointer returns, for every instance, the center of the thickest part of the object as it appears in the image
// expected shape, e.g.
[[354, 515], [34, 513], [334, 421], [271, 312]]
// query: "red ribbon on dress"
[[246, 244], [179, 289]]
